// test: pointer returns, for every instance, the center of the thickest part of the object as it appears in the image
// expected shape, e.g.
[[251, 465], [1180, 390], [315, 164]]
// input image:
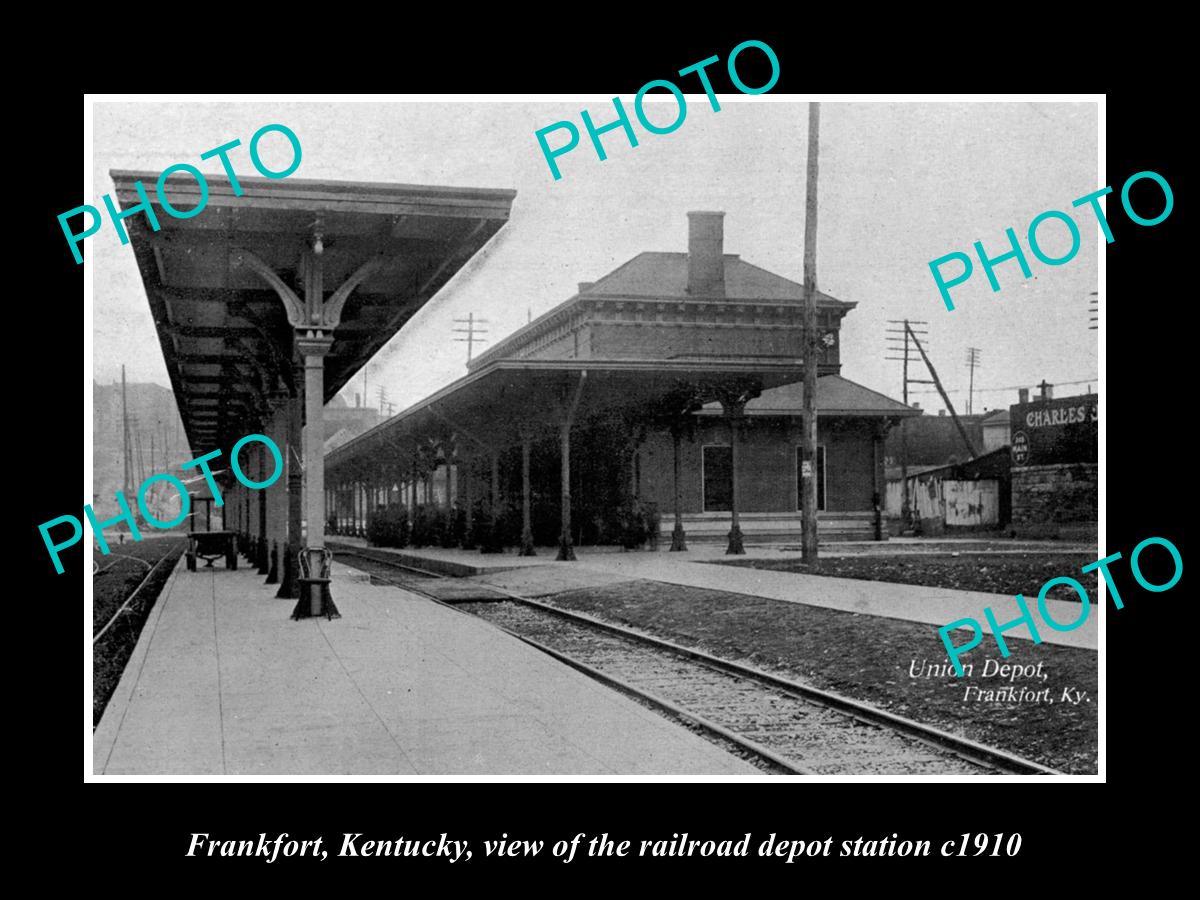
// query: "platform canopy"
[[492, 406], [216, 281]]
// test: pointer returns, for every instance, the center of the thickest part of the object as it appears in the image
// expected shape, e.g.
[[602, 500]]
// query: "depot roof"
[[836, 396], [224, 332], [655, 276], [489, 407]]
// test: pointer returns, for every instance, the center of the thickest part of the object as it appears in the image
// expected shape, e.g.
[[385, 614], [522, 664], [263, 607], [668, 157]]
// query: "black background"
[[134, 833]]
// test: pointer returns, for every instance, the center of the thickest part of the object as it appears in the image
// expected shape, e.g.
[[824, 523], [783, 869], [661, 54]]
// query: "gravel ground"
[[880, 661], [996, 573], [821, 740], [120, 577]]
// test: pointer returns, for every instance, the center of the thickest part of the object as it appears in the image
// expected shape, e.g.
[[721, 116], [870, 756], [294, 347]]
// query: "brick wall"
[[766, 465], [650, 341], [1061, 492]]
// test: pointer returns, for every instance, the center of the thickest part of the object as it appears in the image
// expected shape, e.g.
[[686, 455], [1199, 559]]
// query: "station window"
[[820, 479], [717, 468]]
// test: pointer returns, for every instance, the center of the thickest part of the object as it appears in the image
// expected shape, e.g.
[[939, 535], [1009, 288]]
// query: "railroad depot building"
[[669, 390]]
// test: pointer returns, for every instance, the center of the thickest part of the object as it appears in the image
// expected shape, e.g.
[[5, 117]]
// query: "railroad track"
[[97, 570], [780, 725], [150, 570]]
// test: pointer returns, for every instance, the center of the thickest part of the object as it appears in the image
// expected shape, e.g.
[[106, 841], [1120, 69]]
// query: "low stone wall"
[[1054, 494]]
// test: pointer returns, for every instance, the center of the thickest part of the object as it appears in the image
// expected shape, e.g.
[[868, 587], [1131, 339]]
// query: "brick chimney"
[[706, 254], [1023, 395], [584, 285]]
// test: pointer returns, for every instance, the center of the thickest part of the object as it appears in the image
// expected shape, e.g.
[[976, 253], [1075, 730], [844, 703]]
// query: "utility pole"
[[895, 336], [473, 329], [1093, 311], [962, 432], [972, 362], [141, 457], [383, 399], [808, 449], [126, 455]]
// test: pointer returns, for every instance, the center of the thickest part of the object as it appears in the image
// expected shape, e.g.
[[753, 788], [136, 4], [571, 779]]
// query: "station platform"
[[598, 566], [222, 682]]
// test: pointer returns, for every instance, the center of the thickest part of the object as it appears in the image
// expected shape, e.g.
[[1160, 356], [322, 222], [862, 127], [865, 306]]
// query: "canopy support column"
[[493, 544], [466, 484], [263, 561], [526, 519], [678, 537], [566, 550], [315, 596], [277, 492], [734, 394]]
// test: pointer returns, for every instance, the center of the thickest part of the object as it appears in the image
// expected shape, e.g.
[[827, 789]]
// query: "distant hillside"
[[154, 428]]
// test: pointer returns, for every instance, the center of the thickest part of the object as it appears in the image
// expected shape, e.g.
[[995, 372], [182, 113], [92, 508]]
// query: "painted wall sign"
[[1064, 430]]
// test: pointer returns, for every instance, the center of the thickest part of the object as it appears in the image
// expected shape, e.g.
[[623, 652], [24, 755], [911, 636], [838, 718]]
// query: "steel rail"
[[131, 597], [964, 748]]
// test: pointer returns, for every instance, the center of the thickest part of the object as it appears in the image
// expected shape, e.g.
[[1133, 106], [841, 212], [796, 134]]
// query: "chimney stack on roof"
[[1023, 395], [584, 285], [706, 254]]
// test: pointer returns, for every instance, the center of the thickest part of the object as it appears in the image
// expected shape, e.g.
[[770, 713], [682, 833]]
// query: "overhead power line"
[[1014, 387]]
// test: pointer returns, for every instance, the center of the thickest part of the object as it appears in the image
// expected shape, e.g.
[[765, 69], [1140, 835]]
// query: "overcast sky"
[[900, 184]]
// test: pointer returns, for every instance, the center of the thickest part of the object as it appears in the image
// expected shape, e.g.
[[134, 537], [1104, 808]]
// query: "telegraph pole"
[[1093, 311], [808, 451], [473, 329], [383, 401], [937, 383], [140, 458], [127, 458], [972, 362], [895, 335]]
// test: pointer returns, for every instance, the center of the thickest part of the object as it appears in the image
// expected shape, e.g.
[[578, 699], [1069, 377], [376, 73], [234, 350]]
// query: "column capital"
[[734, 393], [313, 341], [734, 409]]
